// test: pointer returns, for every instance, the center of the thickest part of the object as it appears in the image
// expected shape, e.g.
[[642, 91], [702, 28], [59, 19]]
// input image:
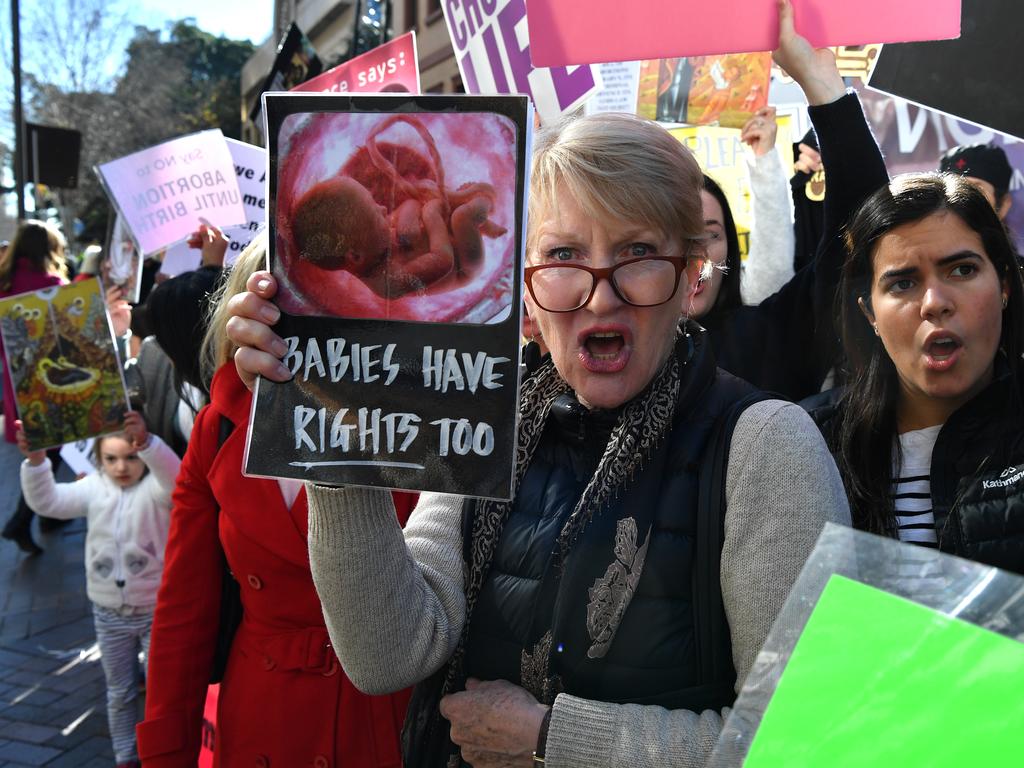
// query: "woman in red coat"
[[284, 700]]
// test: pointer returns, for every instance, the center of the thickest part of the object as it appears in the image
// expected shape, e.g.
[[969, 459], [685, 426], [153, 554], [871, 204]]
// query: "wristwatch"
[[542, 740]]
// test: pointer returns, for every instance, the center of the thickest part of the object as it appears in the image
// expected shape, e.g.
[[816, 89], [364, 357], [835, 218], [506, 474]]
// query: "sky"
[[237, 19]]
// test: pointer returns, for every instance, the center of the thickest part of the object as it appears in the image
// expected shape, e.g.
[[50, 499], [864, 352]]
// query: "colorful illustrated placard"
[[163, 191], [389, 68], [251, 172], [60, 351], [705, 90], [397, 237], [723, 157], [572, 32], [493, 52], [728, 90], [877, 679]]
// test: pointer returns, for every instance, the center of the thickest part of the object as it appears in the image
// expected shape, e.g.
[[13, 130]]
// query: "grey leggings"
[[119, 637]]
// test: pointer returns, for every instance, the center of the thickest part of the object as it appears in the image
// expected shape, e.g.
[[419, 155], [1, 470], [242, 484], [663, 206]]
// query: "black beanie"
[[982, 161]]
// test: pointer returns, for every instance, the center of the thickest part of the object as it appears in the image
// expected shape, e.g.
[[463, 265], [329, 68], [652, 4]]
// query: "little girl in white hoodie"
[[127, 509]]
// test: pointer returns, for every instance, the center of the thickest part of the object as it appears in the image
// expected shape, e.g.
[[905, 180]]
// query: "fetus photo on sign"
[[396, 216]]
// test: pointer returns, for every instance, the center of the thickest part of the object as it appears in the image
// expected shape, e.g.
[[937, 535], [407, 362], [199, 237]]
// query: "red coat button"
[[321, 762], [254, 581], [268, 663], [262, 761]]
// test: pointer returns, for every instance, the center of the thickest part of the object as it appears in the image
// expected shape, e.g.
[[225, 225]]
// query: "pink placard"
[[567, 32], [209, 742], [391, 67], [164, 191]]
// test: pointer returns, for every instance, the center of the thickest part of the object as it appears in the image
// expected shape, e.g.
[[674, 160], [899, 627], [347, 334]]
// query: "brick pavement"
[[52, 706]]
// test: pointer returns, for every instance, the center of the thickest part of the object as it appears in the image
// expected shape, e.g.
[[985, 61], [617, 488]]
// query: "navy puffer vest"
[[654, 657]]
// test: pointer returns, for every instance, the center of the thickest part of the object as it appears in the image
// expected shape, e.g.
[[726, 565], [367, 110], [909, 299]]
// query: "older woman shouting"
[[609, 612]]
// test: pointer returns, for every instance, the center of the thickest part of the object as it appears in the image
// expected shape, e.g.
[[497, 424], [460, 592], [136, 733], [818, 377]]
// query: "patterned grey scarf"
[[644, 423]]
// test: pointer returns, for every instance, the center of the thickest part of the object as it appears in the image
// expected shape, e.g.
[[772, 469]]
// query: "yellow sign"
[[723, 157]]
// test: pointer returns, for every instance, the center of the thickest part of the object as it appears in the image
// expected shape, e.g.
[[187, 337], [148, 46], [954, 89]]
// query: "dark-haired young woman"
[[929, 433]]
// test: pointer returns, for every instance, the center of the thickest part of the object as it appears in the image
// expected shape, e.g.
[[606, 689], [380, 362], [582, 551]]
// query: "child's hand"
[[35, 458], [135, 429]]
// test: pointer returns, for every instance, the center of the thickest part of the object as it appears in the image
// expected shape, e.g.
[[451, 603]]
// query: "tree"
[[186, 82], [76, 43], [195, 74]]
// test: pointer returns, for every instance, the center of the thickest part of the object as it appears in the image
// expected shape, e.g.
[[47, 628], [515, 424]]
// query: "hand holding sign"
[[259, 349], [814, 69], [211, 242], [35, 458], [135, 429]]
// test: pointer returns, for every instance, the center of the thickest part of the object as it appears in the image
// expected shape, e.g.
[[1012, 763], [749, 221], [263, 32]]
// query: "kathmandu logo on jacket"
[[1008, 476]]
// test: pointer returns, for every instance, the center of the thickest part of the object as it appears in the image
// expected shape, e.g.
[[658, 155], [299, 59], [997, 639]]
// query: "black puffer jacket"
[[977, 473]]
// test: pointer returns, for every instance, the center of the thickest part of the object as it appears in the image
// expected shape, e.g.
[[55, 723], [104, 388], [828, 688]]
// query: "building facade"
[[329, 25]]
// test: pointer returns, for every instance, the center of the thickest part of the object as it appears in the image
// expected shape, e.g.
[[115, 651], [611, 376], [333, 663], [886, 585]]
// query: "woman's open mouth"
[[941, 351], [604, 350]]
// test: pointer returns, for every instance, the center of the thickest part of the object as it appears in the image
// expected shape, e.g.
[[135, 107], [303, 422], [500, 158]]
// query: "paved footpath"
[[52, 704]]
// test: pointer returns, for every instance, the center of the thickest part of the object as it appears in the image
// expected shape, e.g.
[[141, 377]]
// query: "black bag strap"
[[230, 593], [712, 628], [226, 428]]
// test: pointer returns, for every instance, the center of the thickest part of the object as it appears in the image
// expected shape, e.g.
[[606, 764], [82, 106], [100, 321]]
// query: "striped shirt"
[[911, 492], [918, 572]]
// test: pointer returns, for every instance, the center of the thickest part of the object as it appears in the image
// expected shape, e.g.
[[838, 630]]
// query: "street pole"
[[19, 149]]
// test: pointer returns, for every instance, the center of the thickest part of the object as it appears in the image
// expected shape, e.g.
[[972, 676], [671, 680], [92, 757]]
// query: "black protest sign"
[[971, 78], [295, 63], [397, 238], [52, 155]]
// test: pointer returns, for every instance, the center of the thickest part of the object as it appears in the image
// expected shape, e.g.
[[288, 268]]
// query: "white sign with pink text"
[[250, 171], [163, 191]]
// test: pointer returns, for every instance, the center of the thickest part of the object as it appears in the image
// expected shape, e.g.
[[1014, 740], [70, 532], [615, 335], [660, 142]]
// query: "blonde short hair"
[[618, 166], [217, 348]]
